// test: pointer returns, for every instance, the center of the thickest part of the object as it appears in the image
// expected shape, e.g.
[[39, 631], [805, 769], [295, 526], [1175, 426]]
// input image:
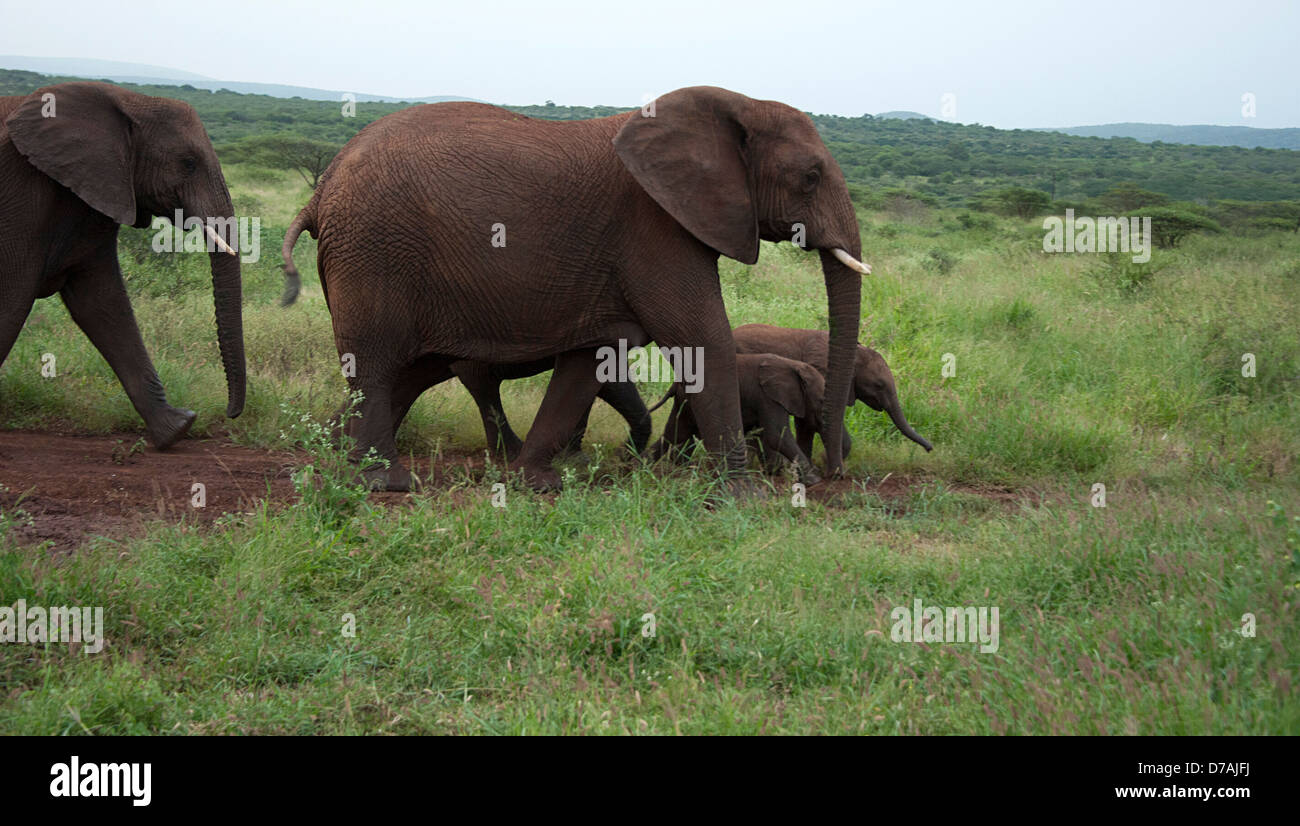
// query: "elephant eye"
[[811, 179], [189, 164]]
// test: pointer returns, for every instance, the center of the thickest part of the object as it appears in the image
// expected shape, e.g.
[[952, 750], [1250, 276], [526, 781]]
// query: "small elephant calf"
[[772, 389]]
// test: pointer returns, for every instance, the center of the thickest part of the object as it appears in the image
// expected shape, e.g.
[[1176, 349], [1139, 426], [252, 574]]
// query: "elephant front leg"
[[569, 396], [97, 301], [777, 441]]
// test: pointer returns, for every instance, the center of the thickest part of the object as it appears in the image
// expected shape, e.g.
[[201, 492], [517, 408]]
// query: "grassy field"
[[1070, 371]]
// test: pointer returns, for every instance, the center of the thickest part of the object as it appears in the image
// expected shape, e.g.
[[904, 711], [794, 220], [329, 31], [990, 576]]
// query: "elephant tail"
[[660, 403], [293, 281]]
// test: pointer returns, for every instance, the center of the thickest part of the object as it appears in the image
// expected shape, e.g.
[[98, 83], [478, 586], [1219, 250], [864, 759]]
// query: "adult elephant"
[[873, 381], [456, 231], [76, 161]]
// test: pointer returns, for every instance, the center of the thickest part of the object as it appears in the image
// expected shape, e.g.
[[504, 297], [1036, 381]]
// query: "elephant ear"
[[689, 155], [786, 382], [80, 137]]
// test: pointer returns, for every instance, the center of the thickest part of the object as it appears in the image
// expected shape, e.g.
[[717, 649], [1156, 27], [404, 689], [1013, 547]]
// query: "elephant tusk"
[[219, 241], [851, 262]]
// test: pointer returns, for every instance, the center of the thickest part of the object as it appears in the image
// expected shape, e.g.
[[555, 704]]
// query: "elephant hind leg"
[[412, 381]]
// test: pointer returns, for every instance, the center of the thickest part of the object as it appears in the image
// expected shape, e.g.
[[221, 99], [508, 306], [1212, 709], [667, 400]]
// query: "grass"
[[767, 618]]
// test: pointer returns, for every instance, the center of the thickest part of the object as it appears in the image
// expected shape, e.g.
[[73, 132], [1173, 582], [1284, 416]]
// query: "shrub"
[[1117, 270], [329, 485], [939, 261]]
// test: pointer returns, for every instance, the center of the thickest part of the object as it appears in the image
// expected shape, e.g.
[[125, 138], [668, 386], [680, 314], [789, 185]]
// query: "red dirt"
[[74, 487], [77, 487]]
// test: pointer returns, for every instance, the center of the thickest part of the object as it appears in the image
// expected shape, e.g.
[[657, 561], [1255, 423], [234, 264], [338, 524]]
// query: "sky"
[[1005, 63]]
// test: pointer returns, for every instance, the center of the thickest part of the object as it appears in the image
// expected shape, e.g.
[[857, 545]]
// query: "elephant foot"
[[541, 480], [809, 476], [395, 478], [166, 429], [735, 490]]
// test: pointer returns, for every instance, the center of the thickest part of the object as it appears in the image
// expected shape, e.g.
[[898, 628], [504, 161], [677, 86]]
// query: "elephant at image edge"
[[73, 167], [609, 229], [873, 382], [772, 389]]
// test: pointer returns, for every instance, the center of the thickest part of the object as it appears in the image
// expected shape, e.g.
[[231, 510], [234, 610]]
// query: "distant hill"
[[84, 67], [163, 76], [949, 164], [1247, 137]]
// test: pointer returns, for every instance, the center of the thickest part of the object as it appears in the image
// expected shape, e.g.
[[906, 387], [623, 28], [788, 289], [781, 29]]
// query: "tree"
[[1015, 200], [1169, 226], [1126, 197], [308, 157]]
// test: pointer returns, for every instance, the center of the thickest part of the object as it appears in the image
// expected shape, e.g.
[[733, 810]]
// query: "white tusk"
[[226, 248], [851, 262]]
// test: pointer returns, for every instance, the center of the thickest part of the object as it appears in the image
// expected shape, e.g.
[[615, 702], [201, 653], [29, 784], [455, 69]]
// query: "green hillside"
[[944, 163]]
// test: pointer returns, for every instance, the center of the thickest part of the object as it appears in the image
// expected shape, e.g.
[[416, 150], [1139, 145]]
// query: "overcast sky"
[[1007, 63]]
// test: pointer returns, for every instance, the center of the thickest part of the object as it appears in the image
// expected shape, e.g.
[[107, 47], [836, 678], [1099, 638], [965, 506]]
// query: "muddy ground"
[[75, 487]]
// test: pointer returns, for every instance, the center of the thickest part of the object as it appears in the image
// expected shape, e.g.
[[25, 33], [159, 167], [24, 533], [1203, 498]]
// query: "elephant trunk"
[[895, 411], [844, 304], [227, 296]]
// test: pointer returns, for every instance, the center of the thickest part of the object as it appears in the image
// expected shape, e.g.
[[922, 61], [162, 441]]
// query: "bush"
[[939, 261], [329, 485], [976, 221], [1014, 200], [1117, 270]]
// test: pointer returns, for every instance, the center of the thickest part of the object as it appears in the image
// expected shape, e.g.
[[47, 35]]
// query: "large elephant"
[[455, 231], [76, 161], [873, 382]]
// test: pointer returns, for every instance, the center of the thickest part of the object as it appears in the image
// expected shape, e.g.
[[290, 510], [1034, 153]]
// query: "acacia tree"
[[1015, 200], [306, 156], [1169, 226]]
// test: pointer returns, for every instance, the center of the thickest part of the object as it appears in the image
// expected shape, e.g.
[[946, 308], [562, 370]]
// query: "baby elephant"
[[772, 389], [873, 382]]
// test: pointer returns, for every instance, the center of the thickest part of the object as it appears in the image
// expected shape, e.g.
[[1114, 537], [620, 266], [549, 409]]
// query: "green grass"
[[769, 618]]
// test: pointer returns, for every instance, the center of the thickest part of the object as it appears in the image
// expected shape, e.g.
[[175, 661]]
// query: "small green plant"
[[1118, 271], [939, 261], [14, 517], [122, 454], [1292, 537], [330, 485]]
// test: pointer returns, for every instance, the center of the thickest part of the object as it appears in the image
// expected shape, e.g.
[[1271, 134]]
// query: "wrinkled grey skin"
[[873, 381], [76, 161], [772, 389]]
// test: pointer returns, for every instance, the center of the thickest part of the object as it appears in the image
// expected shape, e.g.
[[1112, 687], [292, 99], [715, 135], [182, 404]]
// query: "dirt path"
[[74, 487], [77, 487]]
